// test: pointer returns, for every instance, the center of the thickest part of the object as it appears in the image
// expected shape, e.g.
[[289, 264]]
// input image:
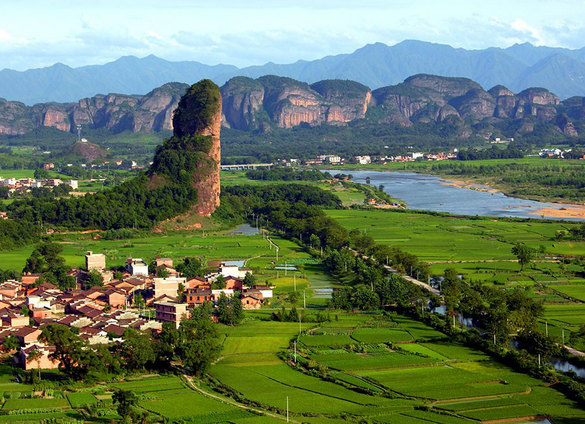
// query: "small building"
[[252, 301], [72, 183], [265, 290], [166, 262], [170, 312], [198, 296], [26, 335], [137, 267], [168, 286], [95, 261], [44, 362]]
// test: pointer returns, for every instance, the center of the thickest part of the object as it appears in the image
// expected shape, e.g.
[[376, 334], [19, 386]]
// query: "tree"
[[192, 267], [125, 400], [220, 282], [137, 351], [118, 275], [198, 345], [41, 174], [222, 309], [71, 351], [524, 254], [249, 279], [10, 343], [138, 300], [25, 311], [35, 355], [236, 310], [93, 279], [161, 271]]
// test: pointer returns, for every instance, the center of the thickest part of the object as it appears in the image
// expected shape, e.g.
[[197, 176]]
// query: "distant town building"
[[136, 267], [170, 312], [95, 261]]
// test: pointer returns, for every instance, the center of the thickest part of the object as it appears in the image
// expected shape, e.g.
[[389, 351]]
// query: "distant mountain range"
[[454, 108], [521, 66]]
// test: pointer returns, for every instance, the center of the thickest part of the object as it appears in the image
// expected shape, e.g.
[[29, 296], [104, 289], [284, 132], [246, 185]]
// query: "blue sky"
[[35, 33]]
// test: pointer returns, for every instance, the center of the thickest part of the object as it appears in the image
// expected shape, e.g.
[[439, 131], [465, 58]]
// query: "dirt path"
[[194, 386], [573, 351]]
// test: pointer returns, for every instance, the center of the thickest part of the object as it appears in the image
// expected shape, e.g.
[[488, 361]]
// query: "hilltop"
[[454, 108]]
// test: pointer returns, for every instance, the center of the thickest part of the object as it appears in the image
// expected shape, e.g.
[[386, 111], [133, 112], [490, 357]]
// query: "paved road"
[[414, 281]]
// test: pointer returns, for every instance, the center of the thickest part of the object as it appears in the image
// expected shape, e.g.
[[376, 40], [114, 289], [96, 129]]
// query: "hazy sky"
[[38, 33]]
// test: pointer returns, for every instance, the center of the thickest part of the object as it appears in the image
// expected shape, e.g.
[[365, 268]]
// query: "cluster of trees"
[[492, 153], [230, 311], [46, 260], [556, 180], [287, 174], [500, 312], [130, 205], [195, 344], [15, 234]]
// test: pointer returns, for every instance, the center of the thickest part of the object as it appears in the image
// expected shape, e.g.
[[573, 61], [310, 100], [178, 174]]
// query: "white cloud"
[[522, 27]]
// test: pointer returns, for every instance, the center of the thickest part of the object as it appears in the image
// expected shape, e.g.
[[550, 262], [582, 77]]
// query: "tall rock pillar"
[[193, 155]]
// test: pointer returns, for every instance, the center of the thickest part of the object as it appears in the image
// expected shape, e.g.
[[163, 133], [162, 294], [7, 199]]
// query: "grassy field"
[[463, 384], [481, 250]]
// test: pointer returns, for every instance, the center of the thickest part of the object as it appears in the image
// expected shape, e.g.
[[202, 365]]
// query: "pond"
[[244, 230]]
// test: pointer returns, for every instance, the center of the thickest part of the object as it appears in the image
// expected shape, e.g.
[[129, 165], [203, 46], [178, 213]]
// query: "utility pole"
[[305, 300], [287, 409], [563, 330], [295, 354]]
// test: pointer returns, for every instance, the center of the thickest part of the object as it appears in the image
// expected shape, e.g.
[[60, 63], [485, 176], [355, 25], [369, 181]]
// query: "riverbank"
[[564, 211], [528, 178]]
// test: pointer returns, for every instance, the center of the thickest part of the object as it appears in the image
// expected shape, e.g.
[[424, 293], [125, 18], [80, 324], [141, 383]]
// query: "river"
[[429, 192]]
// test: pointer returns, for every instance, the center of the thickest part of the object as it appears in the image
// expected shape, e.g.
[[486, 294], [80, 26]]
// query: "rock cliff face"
[[116, 112], [193, 155], [285, 103], [277, 102]]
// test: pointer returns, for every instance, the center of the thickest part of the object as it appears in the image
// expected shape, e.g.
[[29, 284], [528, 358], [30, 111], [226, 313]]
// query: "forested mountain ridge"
[[456, 108], [518, 67]]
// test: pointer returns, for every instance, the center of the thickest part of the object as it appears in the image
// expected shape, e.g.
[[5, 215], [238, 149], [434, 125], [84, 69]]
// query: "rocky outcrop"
[[193, 155], [285, 103], [243, 99], [271, 102], [115, 112]]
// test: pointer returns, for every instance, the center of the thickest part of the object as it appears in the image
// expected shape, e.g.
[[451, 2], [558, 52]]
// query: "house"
[[115, 298], [44, 362], [29, 278], [26, 335], [233, 283], [170, 312], [252, 301], [233, 271], [10, 288], [168, 286], [196, 282], [166, 262], [42, 313], [198, 296], [95, 261], [10, 319], [265, 290], [137, 267]]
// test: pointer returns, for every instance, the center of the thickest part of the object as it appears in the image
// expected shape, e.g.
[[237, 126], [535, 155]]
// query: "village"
[[101, 315]]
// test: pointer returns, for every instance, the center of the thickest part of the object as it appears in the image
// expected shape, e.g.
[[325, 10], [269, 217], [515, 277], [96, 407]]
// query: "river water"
[[429, 192]]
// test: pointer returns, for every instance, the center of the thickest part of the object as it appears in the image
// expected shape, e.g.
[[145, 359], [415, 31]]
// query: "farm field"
[[480, 250], [463, 383]]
